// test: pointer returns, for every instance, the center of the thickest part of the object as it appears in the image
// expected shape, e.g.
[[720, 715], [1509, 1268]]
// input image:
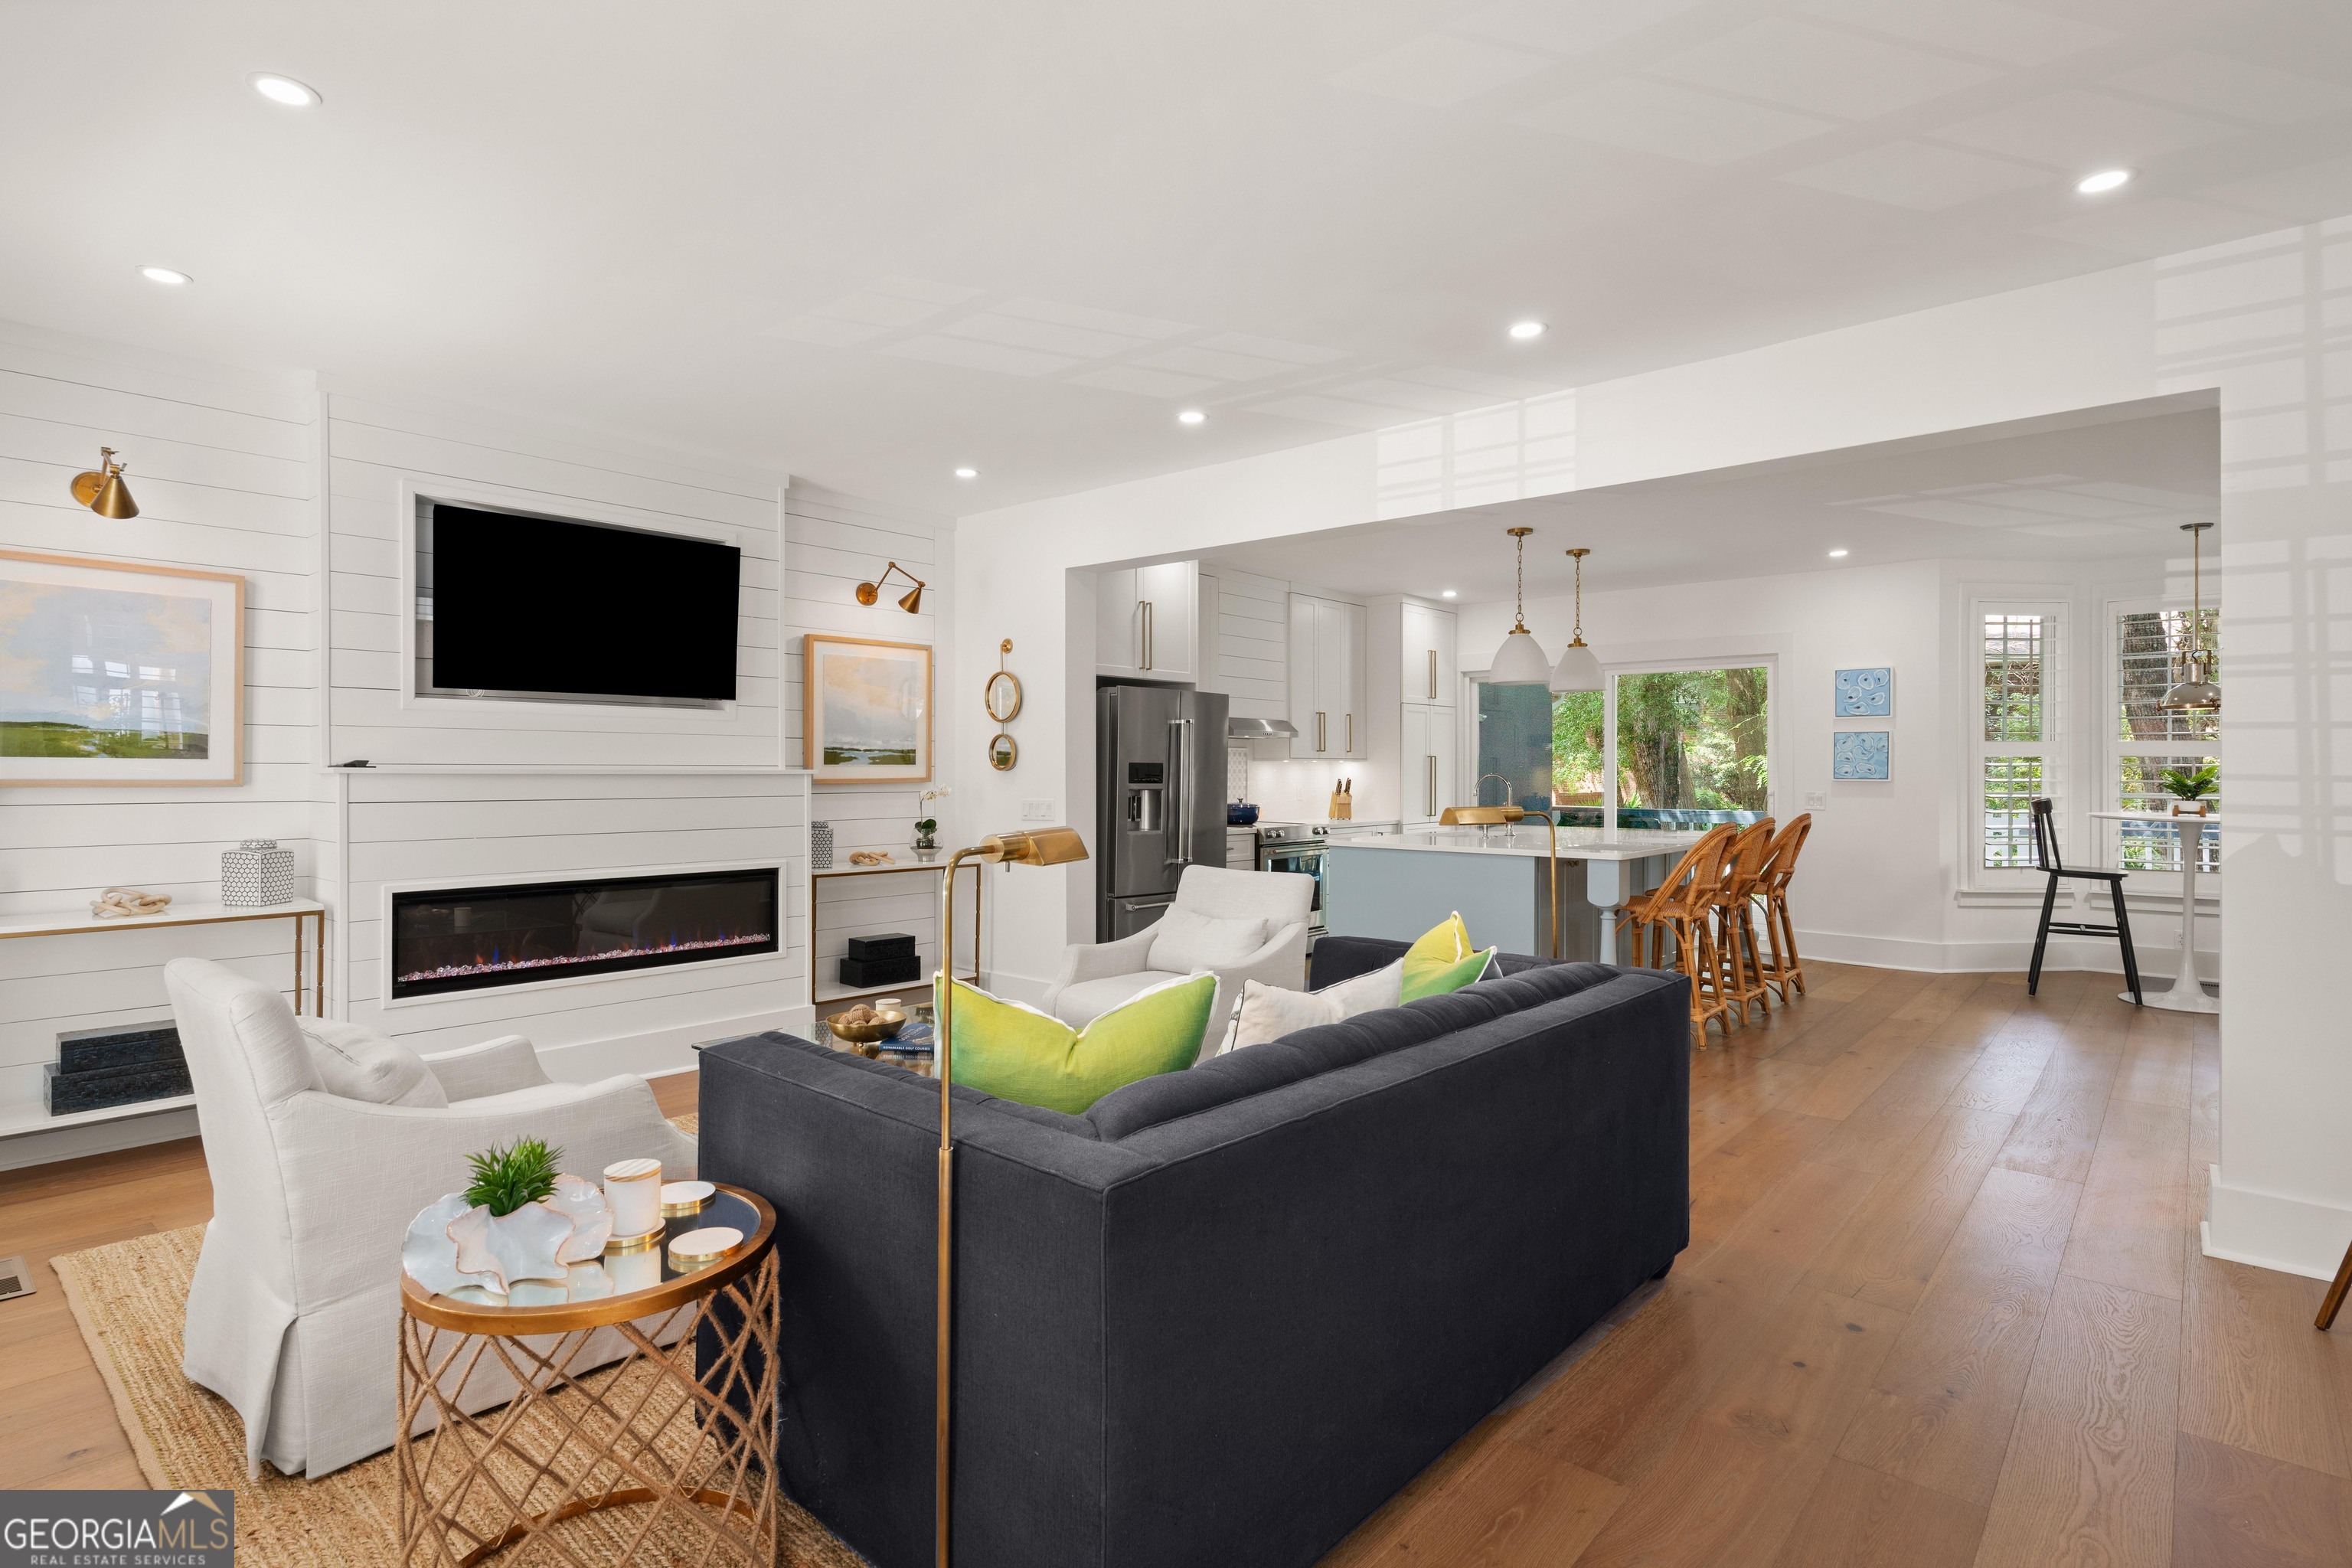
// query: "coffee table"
[[572, 1436]]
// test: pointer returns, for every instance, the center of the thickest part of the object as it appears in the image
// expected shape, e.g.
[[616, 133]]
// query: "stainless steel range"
[[1296, 847]]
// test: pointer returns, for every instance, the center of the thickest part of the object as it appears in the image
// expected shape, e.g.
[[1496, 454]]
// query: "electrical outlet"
[[1816, 798], [1036, 811]]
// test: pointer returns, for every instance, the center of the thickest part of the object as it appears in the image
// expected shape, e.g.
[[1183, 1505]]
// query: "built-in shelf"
[[14, 1122]]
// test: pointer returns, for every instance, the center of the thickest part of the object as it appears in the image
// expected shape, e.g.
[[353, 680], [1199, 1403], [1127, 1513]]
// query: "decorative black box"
[[866, 974], [108, 1087], [117, 1046], [889, 944]]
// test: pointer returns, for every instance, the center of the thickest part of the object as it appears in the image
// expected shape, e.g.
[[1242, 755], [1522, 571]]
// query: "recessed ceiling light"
[[967, 473], [1837, 554], [169, 275], [1523, 331], [1447, 594], [1190, 416], [283, 90], [2103, 181]]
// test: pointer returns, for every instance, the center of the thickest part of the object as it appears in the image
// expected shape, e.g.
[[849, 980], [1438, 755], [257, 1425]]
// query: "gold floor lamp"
[[1038, 847], [1495, 816]]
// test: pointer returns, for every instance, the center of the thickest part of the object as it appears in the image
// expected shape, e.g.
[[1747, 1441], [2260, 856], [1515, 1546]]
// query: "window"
[[1685, 739], [2151, 646], [2018, 738]]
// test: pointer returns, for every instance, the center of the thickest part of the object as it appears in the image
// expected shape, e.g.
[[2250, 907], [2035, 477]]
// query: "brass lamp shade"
[[102, 490], [910, 602], [1028, 846]]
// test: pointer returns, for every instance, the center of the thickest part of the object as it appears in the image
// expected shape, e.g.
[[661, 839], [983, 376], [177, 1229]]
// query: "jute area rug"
[[129, 1298]]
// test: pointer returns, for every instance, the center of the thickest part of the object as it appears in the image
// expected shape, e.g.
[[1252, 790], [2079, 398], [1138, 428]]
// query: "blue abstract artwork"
[[1865, 693], [1859, 753]]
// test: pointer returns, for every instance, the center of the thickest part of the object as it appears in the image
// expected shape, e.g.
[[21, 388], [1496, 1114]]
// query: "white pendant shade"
[[1520, 661], [1579, 669]]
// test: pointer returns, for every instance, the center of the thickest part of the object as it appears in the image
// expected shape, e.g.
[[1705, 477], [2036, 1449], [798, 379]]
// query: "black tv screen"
[[527, 605]]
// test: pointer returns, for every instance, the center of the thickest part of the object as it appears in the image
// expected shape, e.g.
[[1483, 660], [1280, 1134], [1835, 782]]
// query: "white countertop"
[[1575, 842]]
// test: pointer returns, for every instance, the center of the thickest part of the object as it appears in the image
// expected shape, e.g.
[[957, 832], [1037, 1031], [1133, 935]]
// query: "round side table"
[[570, 1436]]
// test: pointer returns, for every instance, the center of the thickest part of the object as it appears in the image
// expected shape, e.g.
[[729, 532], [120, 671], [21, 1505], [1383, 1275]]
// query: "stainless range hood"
[[1260, 728]]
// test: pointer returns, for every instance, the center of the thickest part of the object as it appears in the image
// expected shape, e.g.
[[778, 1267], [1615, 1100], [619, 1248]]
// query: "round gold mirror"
[[1003, 753], [1004, 696]]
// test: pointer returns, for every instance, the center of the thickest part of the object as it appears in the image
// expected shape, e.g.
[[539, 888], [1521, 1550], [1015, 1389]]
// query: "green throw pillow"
[[1453, 977], [1015, 1052], [1442, 959]]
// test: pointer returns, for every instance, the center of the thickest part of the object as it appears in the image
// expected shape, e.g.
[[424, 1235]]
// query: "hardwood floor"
[[1944, 1305]]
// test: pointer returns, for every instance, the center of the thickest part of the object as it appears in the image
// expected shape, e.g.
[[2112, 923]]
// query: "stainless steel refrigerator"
[[1159, 798]]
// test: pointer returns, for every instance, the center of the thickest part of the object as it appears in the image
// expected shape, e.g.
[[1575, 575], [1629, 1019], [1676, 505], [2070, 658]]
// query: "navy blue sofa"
[[1228, 1312]]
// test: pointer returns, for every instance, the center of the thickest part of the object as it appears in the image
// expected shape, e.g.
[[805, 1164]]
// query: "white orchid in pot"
[[519, 1220], [927, 826]]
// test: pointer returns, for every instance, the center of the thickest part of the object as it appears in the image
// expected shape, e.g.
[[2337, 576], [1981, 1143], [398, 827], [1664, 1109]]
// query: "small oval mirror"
[[1003, 753], [1004, 696]]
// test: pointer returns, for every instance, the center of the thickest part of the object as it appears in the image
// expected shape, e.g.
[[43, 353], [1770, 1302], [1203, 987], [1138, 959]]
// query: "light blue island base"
[[1505, 900]]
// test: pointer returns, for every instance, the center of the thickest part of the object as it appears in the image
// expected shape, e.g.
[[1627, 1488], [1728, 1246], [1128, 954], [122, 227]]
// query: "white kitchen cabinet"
[[1429, 761], [1147, 621], [1428, 650], [1328, 684]]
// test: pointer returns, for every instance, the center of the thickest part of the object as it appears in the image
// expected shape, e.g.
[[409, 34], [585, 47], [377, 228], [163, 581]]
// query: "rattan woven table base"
[[646, 1431]]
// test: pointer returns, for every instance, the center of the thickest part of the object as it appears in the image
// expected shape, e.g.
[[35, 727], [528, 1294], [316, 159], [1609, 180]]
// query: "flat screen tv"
[[542, 606]]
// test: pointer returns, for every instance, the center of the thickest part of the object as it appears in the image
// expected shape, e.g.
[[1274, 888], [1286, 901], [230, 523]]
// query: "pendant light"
[[1520, 661], [2197, 693], [1579, 668]]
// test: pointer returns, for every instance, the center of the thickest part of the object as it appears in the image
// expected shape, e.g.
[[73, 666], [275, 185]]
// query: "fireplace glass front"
[[461, 939]]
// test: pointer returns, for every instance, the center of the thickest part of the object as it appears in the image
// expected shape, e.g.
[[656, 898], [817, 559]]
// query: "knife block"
[[1343, 805]]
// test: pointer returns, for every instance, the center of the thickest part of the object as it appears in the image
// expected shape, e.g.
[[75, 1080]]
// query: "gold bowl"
[[882, 1028]]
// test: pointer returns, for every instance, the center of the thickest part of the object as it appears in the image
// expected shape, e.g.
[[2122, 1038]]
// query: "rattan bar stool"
[[1783, 968], [1741, 963], [1680, 911]]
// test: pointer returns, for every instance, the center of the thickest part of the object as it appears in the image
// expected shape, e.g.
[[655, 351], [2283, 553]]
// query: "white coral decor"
[[451, 1246]]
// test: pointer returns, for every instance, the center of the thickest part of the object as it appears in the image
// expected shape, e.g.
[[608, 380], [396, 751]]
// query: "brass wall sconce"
[[1035, 846], [1004, 698], [102, 490], [913, 601]]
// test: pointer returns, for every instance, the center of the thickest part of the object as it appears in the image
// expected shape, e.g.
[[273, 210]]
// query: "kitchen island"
[[1399, 885]]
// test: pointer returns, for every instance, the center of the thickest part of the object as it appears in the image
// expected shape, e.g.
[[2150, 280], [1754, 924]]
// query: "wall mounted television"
[[515, 605]]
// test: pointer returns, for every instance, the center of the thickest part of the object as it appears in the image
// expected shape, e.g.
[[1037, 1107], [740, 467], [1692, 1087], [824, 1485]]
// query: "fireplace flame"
[[497, 965]]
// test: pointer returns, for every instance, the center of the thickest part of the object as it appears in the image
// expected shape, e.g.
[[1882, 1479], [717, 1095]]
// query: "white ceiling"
[[2103, 484], [874, 241]]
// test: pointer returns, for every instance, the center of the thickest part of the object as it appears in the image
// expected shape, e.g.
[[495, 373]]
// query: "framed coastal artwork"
[[866, 712], [114, 674], [1860, 753], [1865, 693]]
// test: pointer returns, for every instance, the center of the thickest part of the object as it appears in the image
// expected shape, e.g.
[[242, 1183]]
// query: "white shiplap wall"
[[461, 792], [221, 462], [834, 542]]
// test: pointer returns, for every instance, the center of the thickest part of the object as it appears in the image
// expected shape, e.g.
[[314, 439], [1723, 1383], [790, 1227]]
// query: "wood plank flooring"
[[1943, 1306]]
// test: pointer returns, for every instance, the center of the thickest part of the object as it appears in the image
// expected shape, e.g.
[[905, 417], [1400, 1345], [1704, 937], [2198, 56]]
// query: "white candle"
[[632, 1191]]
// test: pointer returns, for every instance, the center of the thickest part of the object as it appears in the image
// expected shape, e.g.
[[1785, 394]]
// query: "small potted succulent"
[[519, 1219], [2191, 786]]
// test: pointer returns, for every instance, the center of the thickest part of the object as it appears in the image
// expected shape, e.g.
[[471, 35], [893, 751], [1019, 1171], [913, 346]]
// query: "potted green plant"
[[519, 1219], [2189, 786]]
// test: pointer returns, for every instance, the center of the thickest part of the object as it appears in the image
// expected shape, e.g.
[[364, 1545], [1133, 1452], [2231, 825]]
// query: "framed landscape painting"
[[865, 710], [112, 674]]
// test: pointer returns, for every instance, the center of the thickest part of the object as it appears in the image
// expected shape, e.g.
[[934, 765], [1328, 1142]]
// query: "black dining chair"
[[2045, 855]]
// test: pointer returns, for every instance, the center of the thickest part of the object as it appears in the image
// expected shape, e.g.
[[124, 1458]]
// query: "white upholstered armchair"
[[323, 1140], [1241, 925]]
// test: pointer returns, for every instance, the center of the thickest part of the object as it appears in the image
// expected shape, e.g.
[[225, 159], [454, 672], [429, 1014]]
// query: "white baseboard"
[[2291, 1235], [2099, 957], [48, 1146]]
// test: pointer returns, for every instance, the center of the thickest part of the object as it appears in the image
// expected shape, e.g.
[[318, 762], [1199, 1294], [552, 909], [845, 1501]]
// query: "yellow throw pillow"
[[1440, 948], [1015, 1052]]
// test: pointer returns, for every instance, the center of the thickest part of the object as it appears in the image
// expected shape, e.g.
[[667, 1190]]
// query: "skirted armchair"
[[323, 1140], [1241, 925]]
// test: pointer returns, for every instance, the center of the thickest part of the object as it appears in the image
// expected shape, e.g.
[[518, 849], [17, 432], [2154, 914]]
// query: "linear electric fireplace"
[[462, 939]]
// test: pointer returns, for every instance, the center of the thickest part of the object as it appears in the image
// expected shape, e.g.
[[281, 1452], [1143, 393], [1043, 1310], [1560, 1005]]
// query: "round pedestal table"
[[2186, 994], [652, 1429]]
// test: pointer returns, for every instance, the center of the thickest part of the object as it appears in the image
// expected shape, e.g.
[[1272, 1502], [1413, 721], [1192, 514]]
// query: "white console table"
[[2186, 996]]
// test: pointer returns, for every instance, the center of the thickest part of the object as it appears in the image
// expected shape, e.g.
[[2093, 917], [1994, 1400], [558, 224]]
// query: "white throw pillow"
[[1269, 1012], [357, 1063], [1189, 943]]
